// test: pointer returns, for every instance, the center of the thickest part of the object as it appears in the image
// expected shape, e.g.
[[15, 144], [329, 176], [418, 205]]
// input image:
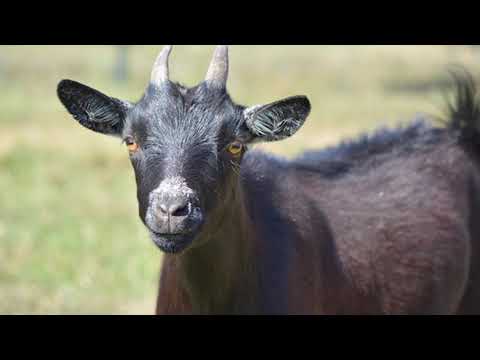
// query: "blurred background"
[[71, 241]]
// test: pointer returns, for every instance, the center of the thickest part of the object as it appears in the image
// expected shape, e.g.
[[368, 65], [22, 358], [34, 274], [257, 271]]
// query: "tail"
[[464, 110]]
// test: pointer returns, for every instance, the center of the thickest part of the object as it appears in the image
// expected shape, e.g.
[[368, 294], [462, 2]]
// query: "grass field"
[[70, 237]]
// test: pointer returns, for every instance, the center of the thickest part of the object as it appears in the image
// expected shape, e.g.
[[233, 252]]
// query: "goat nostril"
[[176, 209], [163, 209], [180, 210]]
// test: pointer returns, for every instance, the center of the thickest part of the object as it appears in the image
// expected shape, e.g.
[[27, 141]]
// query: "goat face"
[[185, 144]]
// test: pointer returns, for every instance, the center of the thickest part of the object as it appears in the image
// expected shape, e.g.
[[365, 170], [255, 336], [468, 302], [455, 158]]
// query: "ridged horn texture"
[[160, 67], [217, 73]]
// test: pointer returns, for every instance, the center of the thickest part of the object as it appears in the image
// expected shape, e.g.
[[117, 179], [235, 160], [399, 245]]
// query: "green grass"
[[70, 237]]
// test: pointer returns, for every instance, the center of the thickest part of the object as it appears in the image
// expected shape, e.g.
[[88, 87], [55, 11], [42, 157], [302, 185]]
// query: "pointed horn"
[[218, 70], [160, 68]]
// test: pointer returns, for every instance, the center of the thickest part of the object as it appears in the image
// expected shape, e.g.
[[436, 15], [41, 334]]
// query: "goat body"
[[382, 225]]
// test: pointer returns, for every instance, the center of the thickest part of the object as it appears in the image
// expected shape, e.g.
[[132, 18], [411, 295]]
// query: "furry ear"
[[92, 109], [277, 120]]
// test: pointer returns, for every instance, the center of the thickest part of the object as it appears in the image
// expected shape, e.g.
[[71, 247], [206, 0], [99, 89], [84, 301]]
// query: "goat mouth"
[[172, 243]]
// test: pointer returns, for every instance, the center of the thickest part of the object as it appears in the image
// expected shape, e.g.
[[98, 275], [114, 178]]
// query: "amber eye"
[[235, 148], [132, 146]]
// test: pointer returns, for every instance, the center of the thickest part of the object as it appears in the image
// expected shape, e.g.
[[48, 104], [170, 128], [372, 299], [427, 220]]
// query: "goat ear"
[[277, 120], [92, 109]]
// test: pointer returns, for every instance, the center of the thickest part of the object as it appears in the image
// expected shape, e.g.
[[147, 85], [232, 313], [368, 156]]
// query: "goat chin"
[[172, 243]]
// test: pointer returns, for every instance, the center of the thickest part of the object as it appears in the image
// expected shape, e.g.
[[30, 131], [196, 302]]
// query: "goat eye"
[[132, 146], [235, 148]]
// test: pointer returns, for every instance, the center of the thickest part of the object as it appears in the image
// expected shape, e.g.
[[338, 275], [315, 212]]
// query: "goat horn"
[[160, 67], [218, 70]]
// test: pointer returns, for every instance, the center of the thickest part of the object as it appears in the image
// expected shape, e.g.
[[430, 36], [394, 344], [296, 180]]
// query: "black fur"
[[461, 122], [368, 151]]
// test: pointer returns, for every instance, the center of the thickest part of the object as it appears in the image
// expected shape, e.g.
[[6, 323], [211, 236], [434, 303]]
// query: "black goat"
[[382, 225]]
